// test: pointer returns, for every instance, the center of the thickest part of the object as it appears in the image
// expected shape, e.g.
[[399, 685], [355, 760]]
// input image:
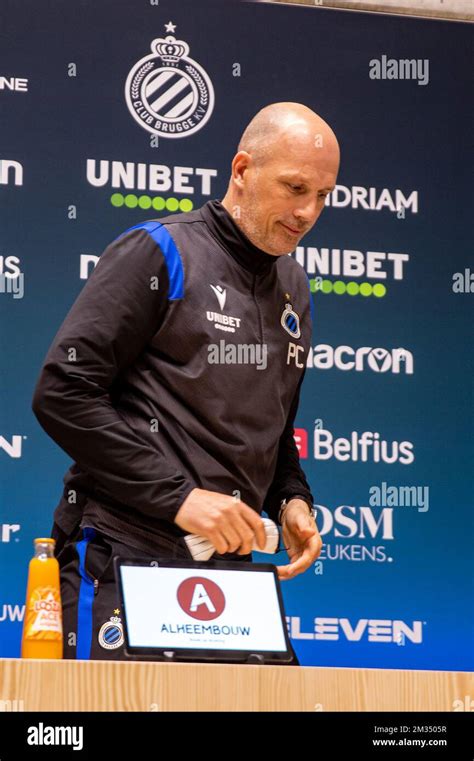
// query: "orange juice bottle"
[[42, 623]]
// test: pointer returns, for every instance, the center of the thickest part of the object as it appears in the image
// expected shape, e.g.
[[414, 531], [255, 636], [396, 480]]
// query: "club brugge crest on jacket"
[[167, 92], [111, 634], [291, 321]]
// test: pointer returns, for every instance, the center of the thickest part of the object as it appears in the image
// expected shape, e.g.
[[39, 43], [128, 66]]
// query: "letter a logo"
[[201, 598]]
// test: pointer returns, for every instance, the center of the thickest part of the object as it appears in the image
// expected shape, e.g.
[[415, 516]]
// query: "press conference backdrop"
[[96, 137]]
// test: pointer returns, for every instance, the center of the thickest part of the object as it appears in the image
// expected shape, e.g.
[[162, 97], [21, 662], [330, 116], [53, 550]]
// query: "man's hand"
[[228, 523], [301, 538]]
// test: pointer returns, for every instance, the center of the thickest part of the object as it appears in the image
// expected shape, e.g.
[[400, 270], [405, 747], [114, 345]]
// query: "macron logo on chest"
[[222, 321], [220, 294]]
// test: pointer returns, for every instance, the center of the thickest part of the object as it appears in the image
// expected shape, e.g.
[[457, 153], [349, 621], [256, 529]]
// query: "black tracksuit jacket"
[[134, 387]]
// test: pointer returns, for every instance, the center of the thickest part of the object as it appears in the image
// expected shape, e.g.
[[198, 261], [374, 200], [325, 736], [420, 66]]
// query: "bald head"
[[278, 123], [286, 164]]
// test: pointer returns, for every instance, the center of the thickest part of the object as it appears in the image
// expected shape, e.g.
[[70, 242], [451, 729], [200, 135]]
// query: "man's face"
[[282, 199]]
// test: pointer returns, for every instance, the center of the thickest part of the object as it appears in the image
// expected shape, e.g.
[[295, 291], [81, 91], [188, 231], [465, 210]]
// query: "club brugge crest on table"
[[111, 634], [291, 321], [167, 92]]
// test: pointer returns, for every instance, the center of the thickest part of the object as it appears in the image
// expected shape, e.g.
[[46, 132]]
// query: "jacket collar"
[[234, 240]]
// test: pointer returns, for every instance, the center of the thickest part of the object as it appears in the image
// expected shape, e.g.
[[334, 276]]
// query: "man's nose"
[[307, 212]]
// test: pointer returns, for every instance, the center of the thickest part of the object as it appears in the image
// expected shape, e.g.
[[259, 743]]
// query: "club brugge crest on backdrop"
[[291, 321], [167, 92]]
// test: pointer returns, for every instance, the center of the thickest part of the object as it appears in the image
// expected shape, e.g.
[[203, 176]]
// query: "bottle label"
[[43, 615]]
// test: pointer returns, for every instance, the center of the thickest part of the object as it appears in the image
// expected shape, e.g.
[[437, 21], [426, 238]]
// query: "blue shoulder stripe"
[[174, 265]]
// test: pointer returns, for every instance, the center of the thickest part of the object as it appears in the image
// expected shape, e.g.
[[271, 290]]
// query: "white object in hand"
[[202, 549]]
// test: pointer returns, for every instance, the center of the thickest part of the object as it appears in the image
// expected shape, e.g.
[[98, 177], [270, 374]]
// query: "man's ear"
[[240, 164]]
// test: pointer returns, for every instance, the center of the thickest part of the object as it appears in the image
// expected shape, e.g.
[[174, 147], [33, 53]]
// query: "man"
[[174, 380]]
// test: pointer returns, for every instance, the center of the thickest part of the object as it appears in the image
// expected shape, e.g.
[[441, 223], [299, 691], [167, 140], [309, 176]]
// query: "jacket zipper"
[[258, 308]]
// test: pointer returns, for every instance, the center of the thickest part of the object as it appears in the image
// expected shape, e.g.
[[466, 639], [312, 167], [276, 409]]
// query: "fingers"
[[246, 534], [239, 534], [256, 524], [220, 542], [303, 559], [241, 527], [228, 523], [232, 535], [286, 572]]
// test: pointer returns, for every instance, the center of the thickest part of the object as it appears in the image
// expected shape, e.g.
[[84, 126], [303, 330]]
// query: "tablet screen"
[[202, 608]]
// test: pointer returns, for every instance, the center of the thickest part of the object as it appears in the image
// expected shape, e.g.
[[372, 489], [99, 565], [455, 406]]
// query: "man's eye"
[[294, 187]]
